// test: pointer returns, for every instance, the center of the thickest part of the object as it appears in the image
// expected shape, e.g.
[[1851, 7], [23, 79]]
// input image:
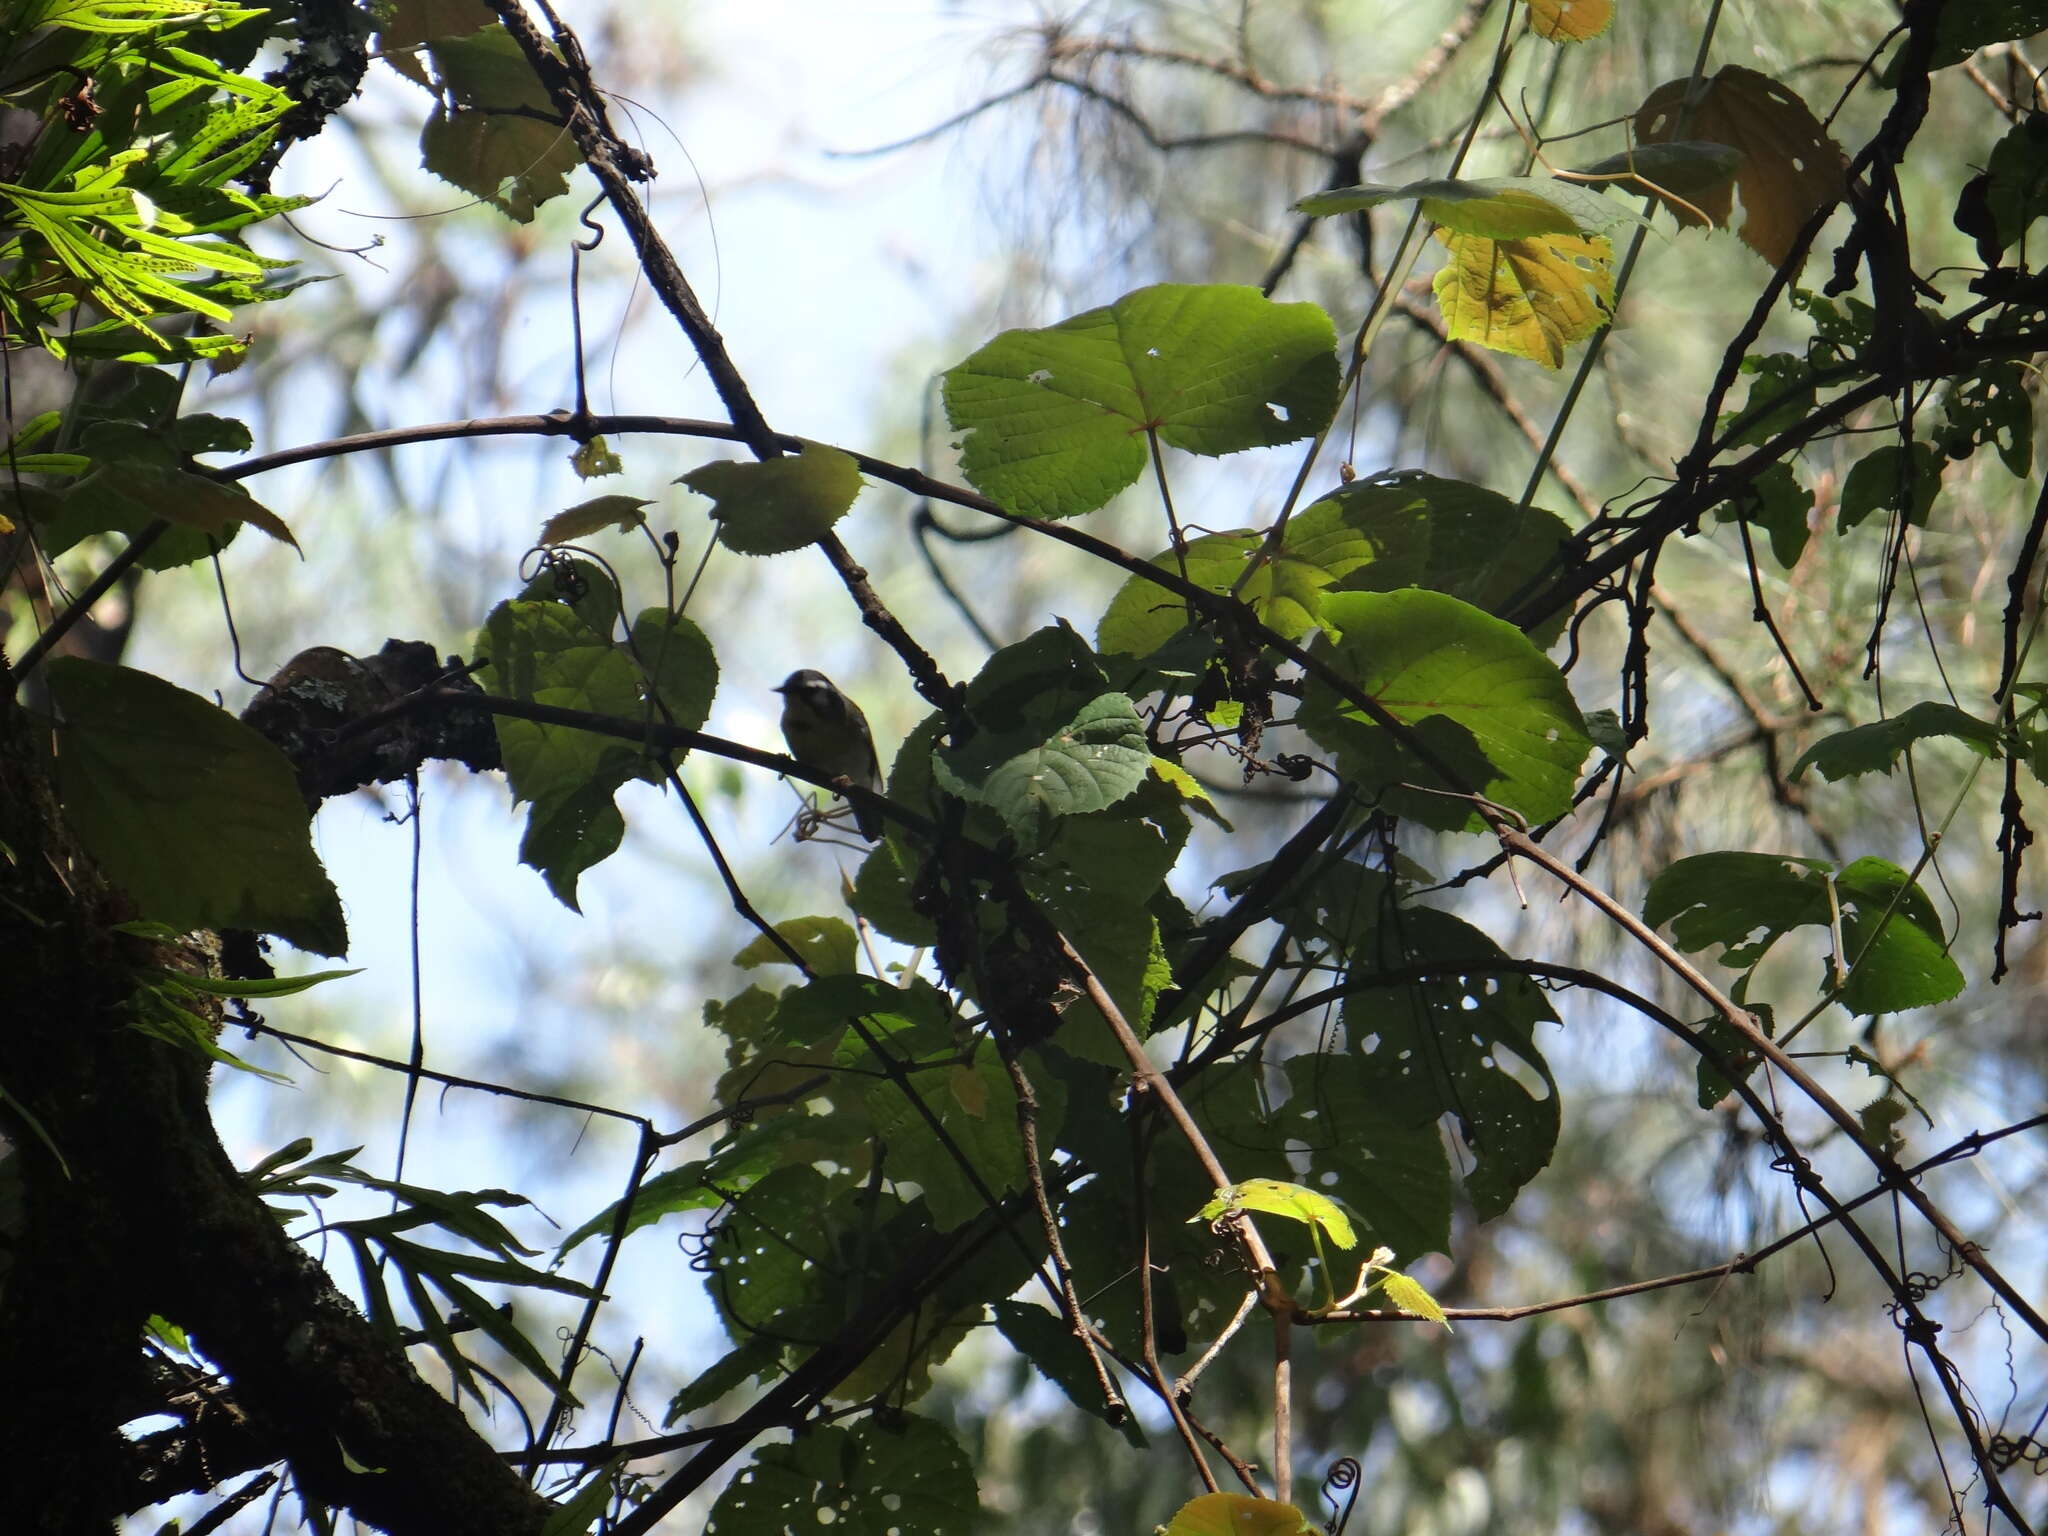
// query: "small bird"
[[827, 733]]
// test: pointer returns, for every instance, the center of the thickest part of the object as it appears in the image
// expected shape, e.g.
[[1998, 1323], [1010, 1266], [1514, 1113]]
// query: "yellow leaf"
[[1790, 168], [1236, 1514], [1570, 21], [1189, 788], [1276, 1197], [1409, 1296], [1529, 298]]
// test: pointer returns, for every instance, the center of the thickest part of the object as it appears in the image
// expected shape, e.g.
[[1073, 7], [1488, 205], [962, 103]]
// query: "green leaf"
[[1776, 502], [1055, 420], [755, 1360], [1190, 789], [894, 1476], [1876, 748], [229, 986], [513, 163], [777, 505], [1395, 1176], [574, 1517], [191, 812], [1355, 541], [1713, 1084], [1475, 544], [1991, 406], [594, 516], [1143, 615], [1490, 706], [881, 894], [1886, 478], [1043, 1338], [827, 944], [1276, 1197], [198, 502], [977, 1106], [546, 653], [666, 1194], [498, 142], [1461, 1042], [1996, 207], [1967, 25], [581, 585], [1746, 902], [1088, 763], [679, 668]]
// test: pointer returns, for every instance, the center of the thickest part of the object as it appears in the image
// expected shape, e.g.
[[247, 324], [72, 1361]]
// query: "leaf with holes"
[[1529, 298], [898, 1475], [1790, 168], [1461, 1040], [1570, 21]]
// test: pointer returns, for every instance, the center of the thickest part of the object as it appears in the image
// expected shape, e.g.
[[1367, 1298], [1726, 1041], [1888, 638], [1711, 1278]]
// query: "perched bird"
[[827, 732]]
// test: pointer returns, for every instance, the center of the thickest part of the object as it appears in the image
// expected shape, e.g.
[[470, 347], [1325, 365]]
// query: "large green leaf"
[[977, 1105], [1490, 707], [1055, 420], [1053, 738], [899, 1476], [1461, 1043], [187, 809], [1379, 542], [1394, 1175], [1746, 902], [1475, 544]]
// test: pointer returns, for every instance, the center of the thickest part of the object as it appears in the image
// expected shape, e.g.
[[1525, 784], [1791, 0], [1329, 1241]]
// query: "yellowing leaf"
[[1188, 787], [1570, 21], [1409, 1296], [1790, 168], [1276, 1197], [1529, 298], [1236, 1514]]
